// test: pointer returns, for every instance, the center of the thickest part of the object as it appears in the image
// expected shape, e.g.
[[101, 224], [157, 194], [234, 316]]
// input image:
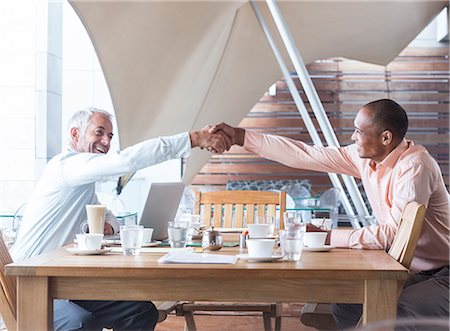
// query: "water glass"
[[292, 243], [293, 220], [194, 224], [131, 238], [178, 234]]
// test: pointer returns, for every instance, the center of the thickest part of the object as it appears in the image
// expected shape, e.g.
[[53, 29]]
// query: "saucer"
[[111, 242], [151, 244], [325, 248], [259, 259], [76, 250]]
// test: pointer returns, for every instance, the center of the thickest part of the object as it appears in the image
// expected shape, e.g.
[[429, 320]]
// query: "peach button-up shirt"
[[407, 174]]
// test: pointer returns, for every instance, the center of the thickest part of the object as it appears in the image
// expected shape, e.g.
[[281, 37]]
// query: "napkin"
[[196, 258]]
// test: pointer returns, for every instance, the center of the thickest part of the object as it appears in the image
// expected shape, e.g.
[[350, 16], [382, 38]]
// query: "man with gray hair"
[[56, 208]]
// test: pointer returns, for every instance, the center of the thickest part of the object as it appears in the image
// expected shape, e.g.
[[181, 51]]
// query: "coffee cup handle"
[[84, 227]]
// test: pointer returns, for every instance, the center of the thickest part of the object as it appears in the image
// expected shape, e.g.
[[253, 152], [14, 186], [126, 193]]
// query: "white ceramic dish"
[[75, 250], [259, 259], [325, 248]]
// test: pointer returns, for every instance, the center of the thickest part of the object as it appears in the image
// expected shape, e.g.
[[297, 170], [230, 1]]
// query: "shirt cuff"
[[114, 224], [182, 143]]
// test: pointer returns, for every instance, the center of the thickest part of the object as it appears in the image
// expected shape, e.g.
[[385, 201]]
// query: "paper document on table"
[[155, 249], [197, 258]]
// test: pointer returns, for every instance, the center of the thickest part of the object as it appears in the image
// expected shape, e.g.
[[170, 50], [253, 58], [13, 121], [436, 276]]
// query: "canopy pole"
[[314, 100], [301, 107]]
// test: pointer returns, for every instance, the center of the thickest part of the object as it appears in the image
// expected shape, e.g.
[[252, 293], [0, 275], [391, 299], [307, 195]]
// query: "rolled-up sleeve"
[[83, 168], [297, 154]]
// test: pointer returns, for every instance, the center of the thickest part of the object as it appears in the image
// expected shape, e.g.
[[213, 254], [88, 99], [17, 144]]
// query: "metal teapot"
[[212, 240]]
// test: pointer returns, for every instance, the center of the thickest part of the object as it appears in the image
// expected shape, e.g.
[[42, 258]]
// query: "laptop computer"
[[161, 207]]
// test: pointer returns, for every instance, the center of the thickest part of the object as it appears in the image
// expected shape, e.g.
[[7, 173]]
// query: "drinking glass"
[[131, 237], [293, 220], [178, 234], [194, 224], [292, 243]]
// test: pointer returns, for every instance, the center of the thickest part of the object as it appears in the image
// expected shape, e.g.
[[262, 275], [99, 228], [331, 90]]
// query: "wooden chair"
[[236, 209], [218, 207], [8, 298], [319, 315]]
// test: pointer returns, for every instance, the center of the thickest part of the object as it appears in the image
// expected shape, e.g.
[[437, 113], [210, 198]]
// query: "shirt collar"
[[393, 156]]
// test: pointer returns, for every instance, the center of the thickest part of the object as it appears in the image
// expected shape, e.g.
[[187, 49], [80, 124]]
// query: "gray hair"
[[82, 118]]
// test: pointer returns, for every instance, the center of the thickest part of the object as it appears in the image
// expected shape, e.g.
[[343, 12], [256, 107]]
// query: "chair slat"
[[217, 219], [261, 210], [228, 216], [250, 216], [271, 210], [239, 216], [207, 215]]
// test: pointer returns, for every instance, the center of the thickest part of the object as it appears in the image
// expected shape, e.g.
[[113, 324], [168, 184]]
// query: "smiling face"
[[373, 142], [96, 138]]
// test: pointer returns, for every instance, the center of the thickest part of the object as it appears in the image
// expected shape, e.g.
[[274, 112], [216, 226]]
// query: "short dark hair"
[[389, 115]]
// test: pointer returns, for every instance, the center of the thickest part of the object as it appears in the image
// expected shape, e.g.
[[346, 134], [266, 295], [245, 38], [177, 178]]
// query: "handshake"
[[217, 138]]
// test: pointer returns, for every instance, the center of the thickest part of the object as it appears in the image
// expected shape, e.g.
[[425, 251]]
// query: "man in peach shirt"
[[394, 172]]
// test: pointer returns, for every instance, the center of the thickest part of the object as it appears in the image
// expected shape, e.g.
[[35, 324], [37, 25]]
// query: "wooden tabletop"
[[345, 263]]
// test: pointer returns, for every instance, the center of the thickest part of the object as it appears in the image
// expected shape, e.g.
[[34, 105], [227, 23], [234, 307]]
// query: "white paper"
[[155, 249], [197, 258]]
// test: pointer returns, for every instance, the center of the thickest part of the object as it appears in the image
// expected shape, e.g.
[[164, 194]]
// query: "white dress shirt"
[[56, 208]]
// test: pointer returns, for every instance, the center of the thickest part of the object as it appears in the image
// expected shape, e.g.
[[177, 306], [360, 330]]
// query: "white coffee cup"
[[89, 241], [314, 239], [260, 247], [147, 236], [95, 219], [260, 230]]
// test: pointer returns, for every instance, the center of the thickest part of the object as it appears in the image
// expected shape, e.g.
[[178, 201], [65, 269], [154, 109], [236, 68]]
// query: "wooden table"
[[370, 277]]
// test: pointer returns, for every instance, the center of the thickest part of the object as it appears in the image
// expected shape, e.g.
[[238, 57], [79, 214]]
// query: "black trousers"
[[96, 315], [425, 295]]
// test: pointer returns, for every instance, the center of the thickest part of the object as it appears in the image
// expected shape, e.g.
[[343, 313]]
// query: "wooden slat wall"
[[418, 79]]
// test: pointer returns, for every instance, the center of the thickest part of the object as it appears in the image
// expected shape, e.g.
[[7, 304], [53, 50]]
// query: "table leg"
[[380, 300], [34, 307]]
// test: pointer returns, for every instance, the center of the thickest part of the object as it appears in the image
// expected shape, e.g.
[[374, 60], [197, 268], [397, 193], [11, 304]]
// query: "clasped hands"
[[217, 138]]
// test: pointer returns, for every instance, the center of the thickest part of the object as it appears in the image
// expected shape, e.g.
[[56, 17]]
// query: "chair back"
[[8, 299], [408, 233], [225, 206]]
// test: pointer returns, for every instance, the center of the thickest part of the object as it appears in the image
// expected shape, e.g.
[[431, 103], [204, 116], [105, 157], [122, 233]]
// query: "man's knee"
[[346, 315], [143, 315], [70, 316]]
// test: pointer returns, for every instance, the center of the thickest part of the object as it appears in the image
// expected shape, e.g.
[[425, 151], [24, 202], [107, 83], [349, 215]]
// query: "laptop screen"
[[161, 207]]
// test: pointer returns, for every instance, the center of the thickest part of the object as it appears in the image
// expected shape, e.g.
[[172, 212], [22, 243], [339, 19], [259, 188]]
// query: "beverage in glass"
[[178, 234], [131, 237], [292, 243]]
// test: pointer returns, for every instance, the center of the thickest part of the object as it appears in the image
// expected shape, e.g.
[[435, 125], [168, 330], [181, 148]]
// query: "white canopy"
[[176, 66]]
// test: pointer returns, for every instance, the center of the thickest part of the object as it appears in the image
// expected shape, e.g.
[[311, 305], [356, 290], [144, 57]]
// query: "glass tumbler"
[[292, 243], [178, 234], [131, 237]]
